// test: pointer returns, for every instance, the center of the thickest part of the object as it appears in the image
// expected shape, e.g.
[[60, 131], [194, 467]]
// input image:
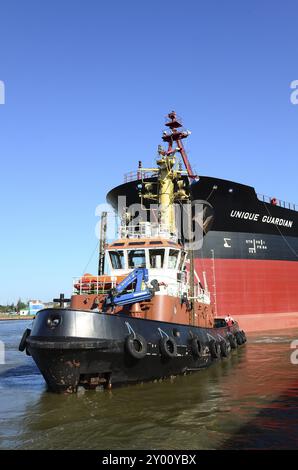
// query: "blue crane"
[[137, 277]]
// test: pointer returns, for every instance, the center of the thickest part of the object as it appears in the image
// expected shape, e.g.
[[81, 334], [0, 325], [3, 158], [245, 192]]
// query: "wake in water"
[[271, 339]]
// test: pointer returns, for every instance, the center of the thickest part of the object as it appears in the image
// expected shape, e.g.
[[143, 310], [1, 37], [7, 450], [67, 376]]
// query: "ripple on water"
[[252, 393]]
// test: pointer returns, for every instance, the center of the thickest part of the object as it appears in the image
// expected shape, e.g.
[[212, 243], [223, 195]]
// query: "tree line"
[[20, 305]]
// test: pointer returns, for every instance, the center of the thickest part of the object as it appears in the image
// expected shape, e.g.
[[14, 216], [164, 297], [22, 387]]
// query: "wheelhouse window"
[[117, 259], [173, 259], [136, 259], [156, 258]]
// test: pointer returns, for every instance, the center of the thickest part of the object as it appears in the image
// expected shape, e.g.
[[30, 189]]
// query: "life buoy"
[[136, 346], [168, 347], [23, 342], [214, 348], [225, 348], [196, 347], [232, 340]]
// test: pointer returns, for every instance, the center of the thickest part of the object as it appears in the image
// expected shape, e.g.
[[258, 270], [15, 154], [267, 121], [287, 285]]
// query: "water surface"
[[247, 401]]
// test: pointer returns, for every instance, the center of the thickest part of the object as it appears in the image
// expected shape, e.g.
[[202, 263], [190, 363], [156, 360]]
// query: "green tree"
[[21, 305]]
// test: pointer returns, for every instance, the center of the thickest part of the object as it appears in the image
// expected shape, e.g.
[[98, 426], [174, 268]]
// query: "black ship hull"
[[249, 254], [73, 347]]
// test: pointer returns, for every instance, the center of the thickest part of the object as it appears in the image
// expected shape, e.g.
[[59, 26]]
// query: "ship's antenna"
[[176, 135], [102, 243], [191, 271]]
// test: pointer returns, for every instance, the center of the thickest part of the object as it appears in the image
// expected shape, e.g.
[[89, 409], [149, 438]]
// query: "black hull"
[[249, 254], [91, 349], [239, 216]]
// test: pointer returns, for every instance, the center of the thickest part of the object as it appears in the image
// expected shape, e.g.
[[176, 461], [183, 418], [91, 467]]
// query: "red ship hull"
[[250, 253], [261, 294]]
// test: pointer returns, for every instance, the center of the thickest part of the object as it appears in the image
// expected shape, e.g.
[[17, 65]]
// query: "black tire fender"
[[225, 348], [196, 347], [243, 336], [136, 346], [215, 349], [168, 347], [23, 342], [239, 338], [232, 340]]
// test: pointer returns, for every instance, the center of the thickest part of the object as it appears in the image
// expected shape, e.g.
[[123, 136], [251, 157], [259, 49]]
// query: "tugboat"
[[147, 314]]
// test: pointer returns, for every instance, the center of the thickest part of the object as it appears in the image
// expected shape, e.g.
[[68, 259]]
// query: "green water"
[[246, 401]]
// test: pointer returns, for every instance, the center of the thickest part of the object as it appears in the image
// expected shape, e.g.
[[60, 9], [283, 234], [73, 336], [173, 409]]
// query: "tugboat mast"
[[171, 186], [176, 136]]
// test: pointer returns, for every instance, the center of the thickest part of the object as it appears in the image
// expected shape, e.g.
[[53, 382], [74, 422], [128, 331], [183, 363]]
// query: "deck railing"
[[147, 230], [277, 202], [138, 175], [92, 285]]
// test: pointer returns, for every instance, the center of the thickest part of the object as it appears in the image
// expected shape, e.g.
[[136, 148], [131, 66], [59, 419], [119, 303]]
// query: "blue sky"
[[87, 86]]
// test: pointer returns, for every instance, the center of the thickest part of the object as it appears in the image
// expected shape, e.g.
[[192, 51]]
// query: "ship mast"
[[175, 136], [102, 243], [167, 177], [171, 184]]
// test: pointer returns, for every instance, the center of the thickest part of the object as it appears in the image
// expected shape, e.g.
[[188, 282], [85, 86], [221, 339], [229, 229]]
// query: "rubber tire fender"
[[196, 347], [243, 336], [232, 340], [26, 334], [136, 346], [224, 348], [239, 338], [215, 349], [168, 347]]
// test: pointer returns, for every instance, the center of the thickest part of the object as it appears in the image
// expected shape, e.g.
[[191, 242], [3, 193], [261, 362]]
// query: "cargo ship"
[[250, 253], [147, 314]]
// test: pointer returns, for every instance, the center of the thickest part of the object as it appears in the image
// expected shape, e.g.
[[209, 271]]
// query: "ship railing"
[[85, 285], [92, 285], [201, 295], [175, 289], [147, 230], [143, 174], [138, 175], [277, 202]]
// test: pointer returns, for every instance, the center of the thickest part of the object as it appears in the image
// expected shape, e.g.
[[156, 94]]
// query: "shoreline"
[[10, 318]]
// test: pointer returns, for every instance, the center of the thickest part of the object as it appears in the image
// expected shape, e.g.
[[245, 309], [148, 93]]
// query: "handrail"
[[81, 285], [147, 230], [144, 173], [277, 202], [138, 175], [91, 285]]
